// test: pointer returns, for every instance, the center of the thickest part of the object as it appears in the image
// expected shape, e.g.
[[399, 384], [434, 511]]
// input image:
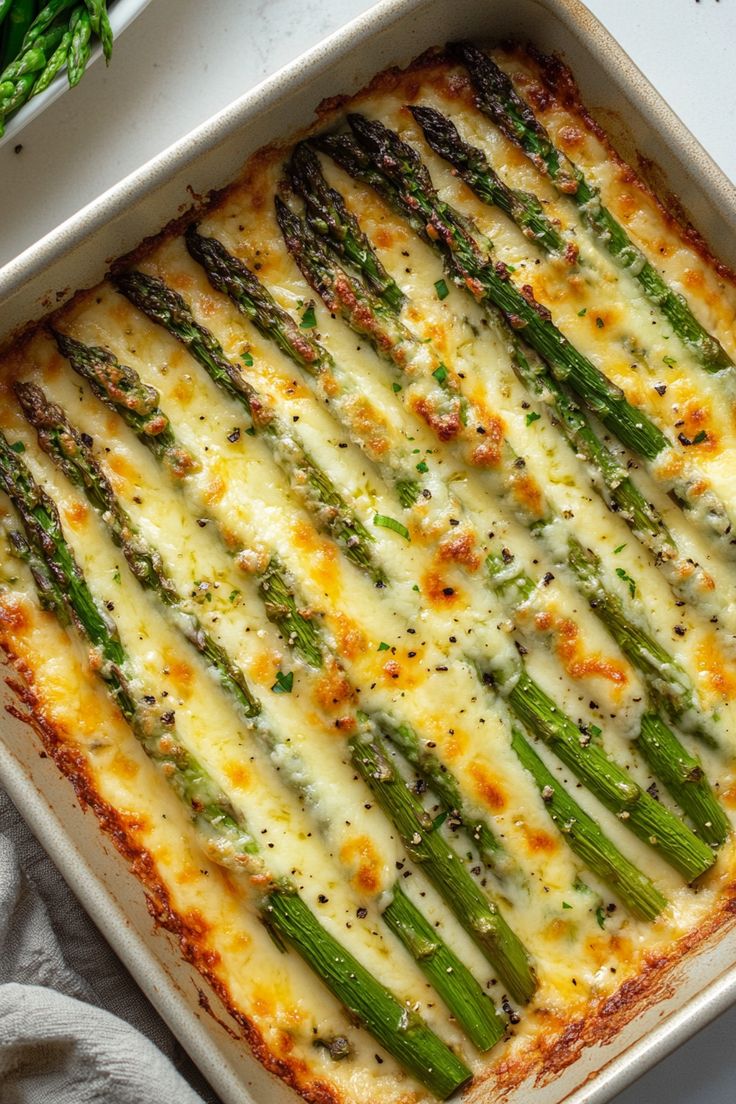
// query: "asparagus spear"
[[585, 838], [227, 838], [328, 216], [497, 98], [79, 355], [473, 167], [79, 47], [452, 980], [479, 916], [621, 493], [120, 387], [326, 505]]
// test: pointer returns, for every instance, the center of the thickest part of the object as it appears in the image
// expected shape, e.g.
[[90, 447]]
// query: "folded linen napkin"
[[74, 1026]]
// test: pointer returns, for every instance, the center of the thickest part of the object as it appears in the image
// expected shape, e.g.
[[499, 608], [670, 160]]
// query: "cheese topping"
[[407, 652]]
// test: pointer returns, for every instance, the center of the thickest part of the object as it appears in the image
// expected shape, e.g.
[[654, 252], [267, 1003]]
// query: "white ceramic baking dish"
[[76, 255]]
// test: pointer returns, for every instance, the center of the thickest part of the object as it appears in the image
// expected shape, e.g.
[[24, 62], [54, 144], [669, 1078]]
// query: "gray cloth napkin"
[[74, 1027]]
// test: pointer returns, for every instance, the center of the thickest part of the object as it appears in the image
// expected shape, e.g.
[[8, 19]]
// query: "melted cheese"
[[407, 650]]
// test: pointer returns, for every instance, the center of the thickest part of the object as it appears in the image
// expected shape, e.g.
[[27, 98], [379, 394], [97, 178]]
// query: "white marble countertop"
[[183, 60]]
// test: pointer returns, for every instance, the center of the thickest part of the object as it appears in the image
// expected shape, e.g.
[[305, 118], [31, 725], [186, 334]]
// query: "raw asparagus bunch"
[[400, 1030], [669, 688], [497, 98], [36, 49], [381, 159], [66, 447], [509, 952]]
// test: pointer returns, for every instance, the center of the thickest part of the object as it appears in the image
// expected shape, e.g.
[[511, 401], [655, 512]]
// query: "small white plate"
[[122, 13]]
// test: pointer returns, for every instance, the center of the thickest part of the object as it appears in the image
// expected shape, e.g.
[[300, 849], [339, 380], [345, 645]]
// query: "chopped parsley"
[[565, 905], [442, 289], [422, 466], [396, 388], [18, 446], [309, 319], [600, 916], [532, 417], [700, 437], [383, 646], [582, 313], [283, 683], [385, 522], [247, 359], [440, 374], [669, 361], [619, 549], [628, 580]]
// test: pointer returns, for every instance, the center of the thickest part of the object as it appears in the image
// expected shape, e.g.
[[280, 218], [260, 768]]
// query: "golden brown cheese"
[[404, 651]]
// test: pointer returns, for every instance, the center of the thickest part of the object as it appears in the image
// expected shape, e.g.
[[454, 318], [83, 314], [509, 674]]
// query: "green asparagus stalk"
[[478, 915], [585, 838], [474, 1011], [228, 839], [328, 216], [79, 47], [327, 507], [497, 98], [67, 448], [473, 167], [55, 63]]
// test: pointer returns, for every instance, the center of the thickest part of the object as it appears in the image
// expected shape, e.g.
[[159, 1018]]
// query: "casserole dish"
[[551, 1091]]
